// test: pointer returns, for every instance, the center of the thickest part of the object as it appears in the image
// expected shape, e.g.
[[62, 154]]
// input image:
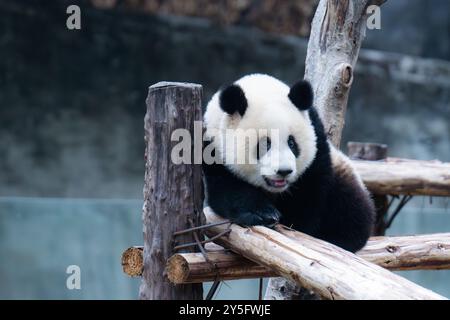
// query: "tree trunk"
[[172, 192], [337, 31]]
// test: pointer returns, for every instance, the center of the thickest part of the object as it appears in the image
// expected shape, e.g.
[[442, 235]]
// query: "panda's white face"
[[277, 155], [270, 142]]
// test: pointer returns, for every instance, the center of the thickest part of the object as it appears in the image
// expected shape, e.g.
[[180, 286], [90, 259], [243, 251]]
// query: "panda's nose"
[[284, 172]]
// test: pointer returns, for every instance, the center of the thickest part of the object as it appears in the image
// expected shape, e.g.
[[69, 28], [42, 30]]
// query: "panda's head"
[[261, 130]]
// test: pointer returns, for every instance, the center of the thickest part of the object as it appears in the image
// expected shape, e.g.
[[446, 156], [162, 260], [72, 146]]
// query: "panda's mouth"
[[275, 183]]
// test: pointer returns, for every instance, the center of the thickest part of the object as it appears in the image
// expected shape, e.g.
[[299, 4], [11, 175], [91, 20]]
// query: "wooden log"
[[172, 192], [401, 176], [422, 252], [328, 270], [133, 261], [418, 252], [337, 31]]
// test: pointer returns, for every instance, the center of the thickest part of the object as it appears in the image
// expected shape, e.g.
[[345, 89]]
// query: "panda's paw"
[[268, 217]]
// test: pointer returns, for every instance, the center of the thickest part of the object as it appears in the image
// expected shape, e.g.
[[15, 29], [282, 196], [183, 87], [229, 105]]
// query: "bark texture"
[[337, 31], [418, 252], [402, 176], [172, 192]]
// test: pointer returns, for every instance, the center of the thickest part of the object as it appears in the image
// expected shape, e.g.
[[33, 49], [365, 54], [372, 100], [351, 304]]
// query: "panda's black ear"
[[301, 95], [232, 100]]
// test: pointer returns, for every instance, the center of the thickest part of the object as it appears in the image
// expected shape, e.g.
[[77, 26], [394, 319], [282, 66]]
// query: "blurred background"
[[72, 104]]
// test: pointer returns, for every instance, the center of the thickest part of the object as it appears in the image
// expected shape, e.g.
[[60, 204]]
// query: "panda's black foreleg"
[[266, 216], [237, 200]]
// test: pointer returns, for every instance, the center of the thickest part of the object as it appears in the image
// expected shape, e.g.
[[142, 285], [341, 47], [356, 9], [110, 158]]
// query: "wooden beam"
[[421, 252], [430, 251], [328, 270], [222, 265], [418, 252], [172, 192], [402, 176]]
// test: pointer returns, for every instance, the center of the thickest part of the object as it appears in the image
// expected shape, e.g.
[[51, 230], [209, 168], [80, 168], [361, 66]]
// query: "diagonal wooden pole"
[[332, 272]]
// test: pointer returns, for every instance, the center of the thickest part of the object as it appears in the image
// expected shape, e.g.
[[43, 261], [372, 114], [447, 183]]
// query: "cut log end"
[[177, 269], [132, 261]]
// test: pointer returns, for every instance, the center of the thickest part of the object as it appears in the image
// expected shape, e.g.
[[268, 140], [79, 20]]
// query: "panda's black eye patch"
[[263, 146], [293, 146]]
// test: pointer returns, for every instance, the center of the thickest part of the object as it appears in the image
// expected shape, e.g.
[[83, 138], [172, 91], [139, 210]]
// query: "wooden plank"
[[404, 176]]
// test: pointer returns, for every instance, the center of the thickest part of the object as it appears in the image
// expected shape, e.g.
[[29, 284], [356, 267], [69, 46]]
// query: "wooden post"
[[405, 177], [172, 192], [373, 152], [337, 31]]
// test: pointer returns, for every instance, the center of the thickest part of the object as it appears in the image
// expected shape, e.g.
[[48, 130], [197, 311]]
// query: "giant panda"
[[294, 176]]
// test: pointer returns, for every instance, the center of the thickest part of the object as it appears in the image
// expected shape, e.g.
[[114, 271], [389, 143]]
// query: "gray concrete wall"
[[414, 27], [72, 102], [71, 126]]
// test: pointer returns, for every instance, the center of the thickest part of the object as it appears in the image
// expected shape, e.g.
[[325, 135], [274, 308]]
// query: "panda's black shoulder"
[[322, 162], [317, 124]]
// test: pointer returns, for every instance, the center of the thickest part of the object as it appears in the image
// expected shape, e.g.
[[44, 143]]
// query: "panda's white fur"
[[269, 109], [344, 167], [312, 187]]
